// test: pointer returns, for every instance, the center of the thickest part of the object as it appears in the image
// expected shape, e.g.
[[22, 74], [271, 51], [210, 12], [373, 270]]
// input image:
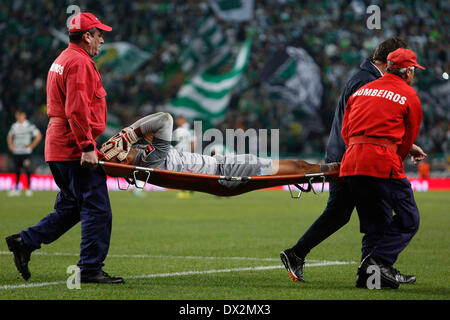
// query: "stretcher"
[[213, 184]]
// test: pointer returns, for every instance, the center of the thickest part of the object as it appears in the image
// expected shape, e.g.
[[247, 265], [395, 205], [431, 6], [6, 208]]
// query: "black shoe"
[[387, 277], [403, 278], [21, 253], [102, 277], [293, 265]]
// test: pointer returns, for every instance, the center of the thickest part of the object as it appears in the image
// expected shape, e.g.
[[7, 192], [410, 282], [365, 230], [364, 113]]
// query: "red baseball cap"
[[402, 58], [85, 21]]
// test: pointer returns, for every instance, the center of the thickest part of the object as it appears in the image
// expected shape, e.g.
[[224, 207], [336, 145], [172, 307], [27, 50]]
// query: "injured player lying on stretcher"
[[147, 143]]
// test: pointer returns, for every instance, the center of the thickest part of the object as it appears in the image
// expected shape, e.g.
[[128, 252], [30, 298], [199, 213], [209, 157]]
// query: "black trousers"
[[385, 234], [83, 197], [337, 213], [22, 161]]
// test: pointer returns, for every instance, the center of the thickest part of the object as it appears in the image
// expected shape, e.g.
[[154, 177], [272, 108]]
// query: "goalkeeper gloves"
[[120, 144]]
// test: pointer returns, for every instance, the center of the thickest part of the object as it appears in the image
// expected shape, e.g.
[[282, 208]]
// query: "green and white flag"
[[206, 96], [123, 58], [208, 47], [233, 10], [293, 76]]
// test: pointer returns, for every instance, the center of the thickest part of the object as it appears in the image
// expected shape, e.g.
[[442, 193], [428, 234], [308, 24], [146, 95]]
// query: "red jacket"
[[385, 108], [76, 98]]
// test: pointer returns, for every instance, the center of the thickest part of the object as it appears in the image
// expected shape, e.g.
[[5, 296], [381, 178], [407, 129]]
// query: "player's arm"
[[159, 125], [10, 142], [120, 144], [36, 140]]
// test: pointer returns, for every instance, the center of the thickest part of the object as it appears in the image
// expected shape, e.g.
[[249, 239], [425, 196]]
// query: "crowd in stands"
[[334, 31]]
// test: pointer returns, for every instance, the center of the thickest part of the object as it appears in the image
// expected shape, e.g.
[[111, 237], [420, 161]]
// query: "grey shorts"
[[242, 165]]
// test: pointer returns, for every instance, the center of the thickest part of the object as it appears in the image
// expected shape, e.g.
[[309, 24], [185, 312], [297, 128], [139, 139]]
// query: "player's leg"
[[249, 165], [158, 125], [18, 164], [285, 167], [27, 168], [17, 169], [241, 165], [336, 214]]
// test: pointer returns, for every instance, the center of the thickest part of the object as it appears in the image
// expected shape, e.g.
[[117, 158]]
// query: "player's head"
[[386, 47], [20, 115], [180, 120], [402, 62], [86, 31]]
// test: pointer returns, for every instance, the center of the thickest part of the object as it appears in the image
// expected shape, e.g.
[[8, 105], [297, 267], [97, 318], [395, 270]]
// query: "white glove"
[[119, 145]]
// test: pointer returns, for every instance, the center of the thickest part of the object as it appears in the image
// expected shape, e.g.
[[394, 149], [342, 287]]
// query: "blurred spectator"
[[424, 169], [23, 137]]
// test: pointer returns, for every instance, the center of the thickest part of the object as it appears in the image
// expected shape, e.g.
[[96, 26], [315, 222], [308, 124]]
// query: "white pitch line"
[[41, 253], [177, 274], [31, 285], [186, 273]]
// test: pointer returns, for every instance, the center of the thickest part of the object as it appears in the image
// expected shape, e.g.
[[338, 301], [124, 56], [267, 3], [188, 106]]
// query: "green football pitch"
[[211, 248]]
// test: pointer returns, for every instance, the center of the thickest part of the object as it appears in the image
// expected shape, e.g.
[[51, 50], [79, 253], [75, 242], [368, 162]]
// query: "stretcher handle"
[[307, 189]]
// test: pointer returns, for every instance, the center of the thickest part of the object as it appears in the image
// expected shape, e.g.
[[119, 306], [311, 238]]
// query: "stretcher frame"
[[209, 183]]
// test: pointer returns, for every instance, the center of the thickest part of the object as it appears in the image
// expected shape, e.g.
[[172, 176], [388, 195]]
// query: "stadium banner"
[[45, 182], [206, 96], [209, 48], [293, 76], [122, 58], [233, 10]]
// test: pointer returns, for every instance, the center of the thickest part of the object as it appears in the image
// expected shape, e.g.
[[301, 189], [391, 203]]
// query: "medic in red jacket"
[[76, 103], [381, 122]]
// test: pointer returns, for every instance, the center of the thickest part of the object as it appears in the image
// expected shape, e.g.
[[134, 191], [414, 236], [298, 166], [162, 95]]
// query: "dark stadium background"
[[334, 32]]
